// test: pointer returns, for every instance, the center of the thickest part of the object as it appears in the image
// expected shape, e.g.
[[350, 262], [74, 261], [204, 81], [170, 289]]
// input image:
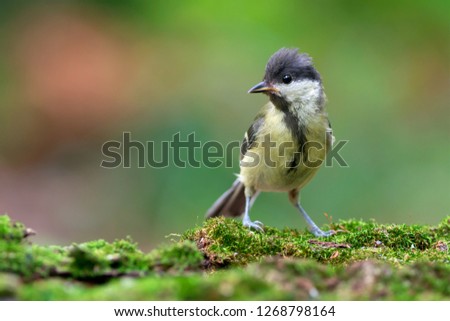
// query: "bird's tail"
[[231, 203]]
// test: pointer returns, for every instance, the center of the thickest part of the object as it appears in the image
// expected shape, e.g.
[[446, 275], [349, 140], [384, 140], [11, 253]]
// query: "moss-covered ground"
[[222, 260]]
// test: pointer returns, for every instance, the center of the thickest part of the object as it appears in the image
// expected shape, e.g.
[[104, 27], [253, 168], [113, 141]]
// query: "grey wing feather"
[[250, 136]]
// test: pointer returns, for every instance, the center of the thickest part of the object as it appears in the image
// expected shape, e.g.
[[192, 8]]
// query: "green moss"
[[95, 261], [361, 234], [443, 228], [99, 258], [11, 232], [227, 242], [178, 257], [30, 261], [271, 279], [223, 260], [221, 286]]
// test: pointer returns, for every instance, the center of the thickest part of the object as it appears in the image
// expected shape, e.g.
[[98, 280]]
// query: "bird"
[[287, 142]]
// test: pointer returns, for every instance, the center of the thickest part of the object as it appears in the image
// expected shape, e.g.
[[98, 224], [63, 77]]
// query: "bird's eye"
[[287, 79]]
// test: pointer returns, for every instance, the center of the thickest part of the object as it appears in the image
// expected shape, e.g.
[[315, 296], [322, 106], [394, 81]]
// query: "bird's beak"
[[263, 87]]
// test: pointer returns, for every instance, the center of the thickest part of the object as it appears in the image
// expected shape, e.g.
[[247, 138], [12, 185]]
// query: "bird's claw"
[[320, 233], [256, 225]]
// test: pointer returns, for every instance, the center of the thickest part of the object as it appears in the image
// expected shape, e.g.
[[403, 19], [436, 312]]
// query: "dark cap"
[[290, 62]]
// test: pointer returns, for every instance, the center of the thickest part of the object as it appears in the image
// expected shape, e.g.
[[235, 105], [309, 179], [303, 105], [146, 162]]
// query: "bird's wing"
[[250, 135]]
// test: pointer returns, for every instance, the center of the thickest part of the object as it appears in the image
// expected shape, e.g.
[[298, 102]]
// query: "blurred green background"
[[75, 74]]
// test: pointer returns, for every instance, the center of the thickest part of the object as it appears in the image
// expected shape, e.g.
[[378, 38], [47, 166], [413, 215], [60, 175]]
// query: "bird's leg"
[[312, 227], [246, 221]]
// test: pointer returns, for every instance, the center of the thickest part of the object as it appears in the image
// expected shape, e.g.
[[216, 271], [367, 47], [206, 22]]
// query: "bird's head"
[[290, 76]]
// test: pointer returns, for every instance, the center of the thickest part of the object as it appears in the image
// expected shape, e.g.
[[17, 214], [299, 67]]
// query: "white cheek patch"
[[304, 97], [304, 92]]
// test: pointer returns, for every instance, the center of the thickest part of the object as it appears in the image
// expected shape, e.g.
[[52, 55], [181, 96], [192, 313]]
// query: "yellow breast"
[[267, 164]]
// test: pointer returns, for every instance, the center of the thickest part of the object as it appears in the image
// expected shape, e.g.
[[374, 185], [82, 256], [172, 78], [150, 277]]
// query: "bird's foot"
[[256, 225], [319, 233]]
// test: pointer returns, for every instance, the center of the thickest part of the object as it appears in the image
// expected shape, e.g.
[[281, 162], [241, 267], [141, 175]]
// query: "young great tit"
[[287, 141]]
